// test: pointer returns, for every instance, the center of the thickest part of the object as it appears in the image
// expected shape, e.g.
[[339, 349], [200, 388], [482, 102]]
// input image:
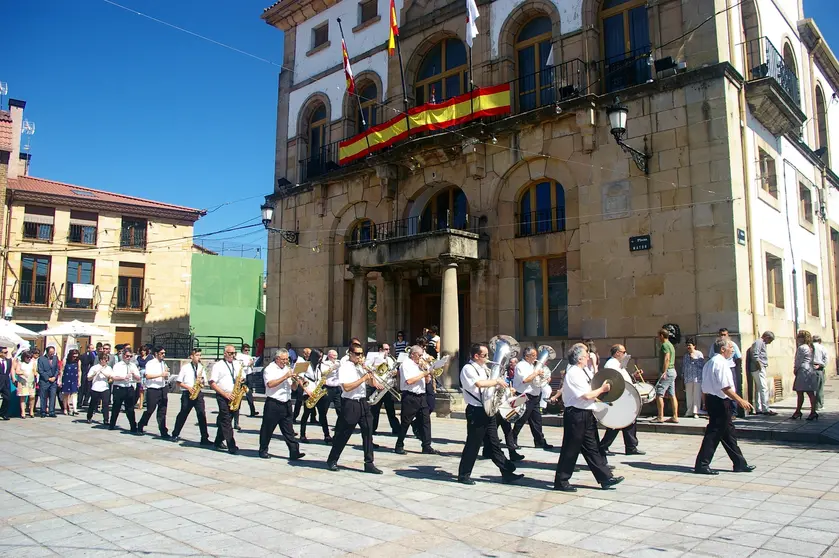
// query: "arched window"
[[821, 122], [535, 79], [362, 232], [626, 43], [316, 133], [789, 75], [447, 209], [443, 73], [368, 100], [751, 35], [541, 209]]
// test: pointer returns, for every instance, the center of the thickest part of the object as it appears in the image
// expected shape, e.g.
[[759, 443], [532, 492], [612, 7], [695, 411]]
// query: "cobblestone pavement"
[[69, 489]]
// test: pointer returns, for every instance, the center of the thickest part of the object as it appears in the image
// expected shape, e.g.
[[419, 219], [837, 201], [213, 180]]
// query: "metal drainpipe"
[[792, 255], [6, 250]]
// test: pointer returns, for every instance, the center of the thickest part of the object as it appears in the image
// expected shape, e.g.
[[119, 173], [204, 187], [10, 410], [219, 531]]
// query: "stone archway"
[[350, 102], [417, 56], [517, 18]]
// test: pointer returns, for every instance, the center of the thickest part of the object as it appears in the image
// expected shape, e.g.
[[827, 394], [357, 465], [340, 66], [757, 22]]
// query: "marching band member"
[[247, 361], [313, 375], [333, 388], [630, 435], [157, 392], [506, 427], [99, 389], [125, 376], [354, 410], [280, 384], [414, 403], [580, 426], [479, 426], [524, 375], [222, 379], [299, 393], [386, 400], [189, 374]]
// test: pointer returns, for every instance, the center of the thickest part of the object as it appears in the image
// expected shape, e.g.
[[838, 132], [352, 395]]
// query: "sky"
[[126, 104]]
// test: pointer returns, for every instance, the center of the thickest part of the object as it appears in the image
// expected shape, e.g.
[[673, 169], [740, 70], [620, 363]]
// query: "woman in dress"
[[144, 356], [25, 377], [70, 383], [692, 364], [593, 360], [806, 378]]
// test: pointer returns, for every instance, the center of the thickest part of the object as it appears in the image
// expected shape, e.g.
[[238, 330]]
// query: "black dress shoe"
[[704, 471], [233, 451], [611, 467], [205, 442], [376, 446], [546, 446], [516, 456], [372, 469], [296, 456], [430, 451], [254, 414], [165, 437], [332, 466], [174, 438], [465, 480], [516, 445], [238, 428], [114, 428], [88, 421], [609, 483], [508, 478], [264, 455], [303, 440], [221, 446], [400, 450], [327, 440], [746, 469], [565, 487], [608, 453], [635, 452], [140, 430]]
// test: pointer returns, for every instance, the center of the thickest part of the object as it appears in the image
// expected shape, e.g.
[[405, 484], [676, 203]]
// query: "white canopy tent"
[[74, 329], [19, 330]]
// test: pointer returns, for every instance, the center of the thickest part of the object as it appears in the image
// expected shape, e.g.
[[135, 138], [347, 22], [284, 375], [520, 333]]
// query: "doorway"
[[425, 311], [128, 335]]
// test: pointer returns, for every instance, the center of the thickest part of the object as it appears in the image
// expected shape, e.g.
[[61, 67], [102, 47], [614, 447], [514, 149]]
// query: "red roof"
[[5, 130], [43, 186]]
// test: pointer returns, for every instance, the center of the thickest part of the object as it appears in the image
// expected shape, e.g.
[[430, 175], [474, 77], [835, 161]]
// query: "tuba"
[[503, 348], [239, 391], [546, 353]]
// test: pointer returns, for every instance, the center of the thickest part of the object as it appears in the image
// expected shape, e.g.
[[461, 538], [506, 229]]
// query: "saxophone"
[[197, 386], [320, 390], [239, 391]]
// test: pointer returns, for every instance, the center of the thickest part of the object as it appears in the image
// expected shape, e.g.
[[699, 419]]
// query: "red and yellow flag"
[[348, 69], [394, 29]]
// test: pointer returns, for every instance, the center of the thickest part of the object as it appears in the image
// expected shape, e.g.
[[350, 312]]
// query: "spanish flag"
[[394, 29], [348, 69]]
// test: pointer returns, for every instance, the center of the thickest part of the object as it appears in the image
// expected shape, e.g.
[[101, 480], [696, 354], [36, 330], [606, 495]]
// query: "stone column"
[[358, 326], [450, 320], [387, 304]]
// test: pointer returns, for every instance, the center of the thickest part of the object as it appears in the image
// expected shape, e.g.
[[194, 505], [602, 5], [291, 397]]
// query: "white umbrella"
[[19, 330], [11, 340], [74, 329]]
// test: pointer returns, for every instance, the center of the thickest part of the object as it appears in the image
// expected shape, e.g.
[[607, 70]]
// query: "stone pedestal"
[[358, 327], [388, 303], [449, 401], [450, 320]]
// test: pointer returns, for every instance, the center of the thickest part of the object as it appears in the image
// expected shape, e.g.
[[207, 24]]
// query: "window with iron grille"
[[133, 233], [38, 223]]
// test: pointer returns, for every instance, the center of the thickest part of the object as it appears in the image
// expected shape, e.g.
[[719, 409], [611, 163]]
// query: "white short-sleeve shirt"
[[613, 364], [347, 374], [99, 375], [282, 391], [409, 370], [332, 378], [577, 383], [471, 373], [716, 375], [223, 375], [188, 374], [523, 370], [155, 366]]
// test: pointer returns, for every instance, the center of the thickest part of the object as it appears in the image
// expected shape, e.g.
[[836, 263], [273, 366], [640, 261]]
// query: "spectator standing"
[[70, 378], [87, 361], [666, 384], [25, 377], [259, 348], [400, 344], [142, 359], [806, 379], [692, 364], [48, 381], [758, 365], [820, 366], [5, 383]]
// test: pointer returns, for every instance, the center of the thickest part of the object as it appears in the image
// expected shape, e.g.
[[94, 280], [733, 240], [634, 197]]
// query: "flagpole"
[[402, 75], [471, 84], [357, 96]]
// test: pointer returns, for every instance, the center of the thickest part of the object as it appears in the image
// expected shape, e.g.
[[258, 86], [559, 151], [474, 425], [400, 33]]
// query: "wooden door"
[[127, 335]]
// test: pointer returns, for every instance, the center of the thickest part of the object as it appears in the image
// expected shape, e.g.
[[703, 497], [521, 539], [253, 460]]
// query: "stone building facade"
[[522, 223]]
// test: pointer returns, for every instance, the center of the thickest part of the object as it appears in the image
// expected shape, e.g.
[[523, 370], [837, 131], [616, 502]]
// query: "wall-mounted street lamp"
[[617, 114], [268, 216]]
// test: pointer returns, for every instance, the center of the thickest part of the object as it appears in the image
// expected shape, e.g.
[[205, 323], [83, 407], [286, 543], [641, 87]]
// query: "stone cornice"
[[813, 38], [287, 14]]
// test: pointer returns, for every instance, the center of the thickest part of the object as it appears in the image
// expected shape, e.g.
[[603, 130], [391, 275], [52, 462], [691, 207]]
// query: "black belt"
[[578, 410], [406, 392]]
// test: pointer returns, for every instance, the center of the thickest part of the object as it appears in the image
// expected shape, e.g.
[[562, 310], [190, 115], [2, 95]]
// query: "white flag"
[[550, 61], [471, 21]]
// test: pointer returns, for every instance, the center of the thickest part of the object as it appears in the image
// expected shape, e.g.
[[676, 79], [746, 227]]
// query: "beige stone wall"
[[167, 273]]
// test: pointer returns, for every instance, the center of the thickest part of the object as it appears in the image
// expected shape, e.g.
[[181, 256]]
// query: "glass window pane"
[[557, 297], [639, 30], [420, 93], [442, 205], [560, 207], [527, 67], [319, 114], [534, 28], [460, 209], [432, 63], [452, 87], [612, 3], [532, 302], [41, 269], [525, 215], [425, 219], [368, 93], [613, 38], [543, 207], [455, 54]]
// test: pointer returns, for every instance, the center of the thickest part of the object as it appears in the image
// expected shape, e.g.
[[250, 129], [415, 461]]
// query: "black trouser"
[[84, 394], [156, 399], [720, 429], [482, 430], [249, 395], [97, 397], [390, 409], [580, 436], [187, 405], [6, 394], [224, 426], [354, 412], [415, 405], [532, 416], [334, 395], [298, 400], [630, 438], [277, 413], [431, 399], [123, 397], [507, 429], [320, 408], [47, 391]]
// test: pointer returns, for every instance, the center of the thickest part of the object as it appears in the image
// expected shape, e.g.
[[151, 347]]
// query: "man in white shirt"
[[386, 400], [820, 366], [580, 425], [222, 379], [157, 392], [246, 360], [354, 410], [718, 387], [299, 394], [630, 435], [280, 384], [474, 377], [522, 383], [414, 403], [100, 390], [189, 374], [333, 388], [125, 376]]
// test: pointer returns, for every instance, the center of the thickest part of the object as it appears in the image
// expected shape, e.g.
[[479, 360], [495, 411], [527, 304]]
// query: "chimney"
[[16, 108]]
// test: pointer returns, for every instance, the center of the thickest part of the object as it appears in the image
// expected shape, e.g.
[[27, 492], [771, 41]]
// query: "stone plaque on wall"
[[616, 199]]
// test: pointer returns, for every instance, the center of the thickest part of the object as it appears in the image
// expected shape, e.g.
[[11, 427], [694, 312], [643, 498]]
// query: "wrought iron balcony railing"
[[763, 60]]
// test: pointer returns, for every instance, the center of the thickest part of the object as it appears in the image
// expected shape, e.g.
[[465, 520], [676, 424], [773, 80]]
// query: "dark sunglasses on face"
[[357, 354]]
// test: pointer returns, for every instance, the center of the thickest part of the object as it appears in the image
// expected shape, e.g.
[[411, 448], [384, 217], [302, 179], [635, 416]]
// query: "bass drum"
[[622, 412], [646, 391]]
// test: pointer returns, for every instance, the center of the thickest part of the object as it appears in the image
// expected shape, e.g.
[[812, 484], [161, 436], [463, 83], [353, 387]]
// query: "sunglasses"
[[357, 354]]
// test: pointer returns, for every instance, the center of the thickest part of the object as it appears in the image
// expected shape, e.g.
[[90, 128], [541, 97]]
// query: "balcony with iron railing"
[[622, 71], [132, 239], [32, 293], [82, 234], [772, 88], [37, 231], [130, 299], [81, 297]]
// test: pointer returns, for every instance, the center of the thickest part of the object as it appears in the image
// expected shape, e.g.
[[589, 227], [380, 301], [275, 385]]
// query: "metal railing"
[[764, 61], [548, 86], [82, 234], [133, 239], [541, 221], [33, 293], [413, 226], [212, 346], [322, 161], [177, 345], [37, 231], [623, 70], [80, 303], [130, 299]]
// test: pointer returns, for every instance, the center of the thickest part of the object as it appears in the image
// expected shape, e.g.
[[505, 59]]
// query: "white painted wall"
[[570, 17]]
